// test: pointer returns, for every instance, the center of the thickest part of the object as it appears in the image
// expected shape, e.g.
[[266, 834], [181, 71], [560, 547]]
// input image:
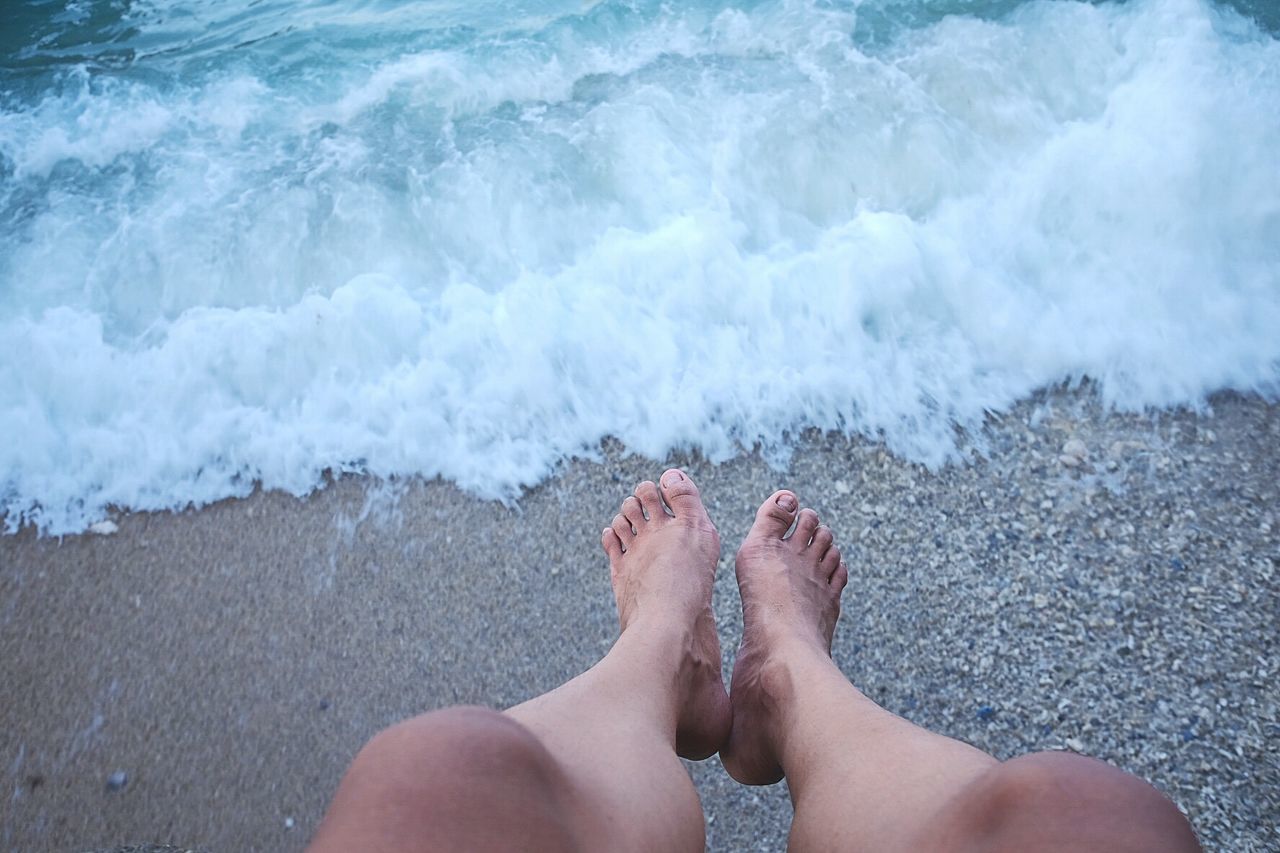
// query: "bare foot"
[[790, 603], [663, 567]]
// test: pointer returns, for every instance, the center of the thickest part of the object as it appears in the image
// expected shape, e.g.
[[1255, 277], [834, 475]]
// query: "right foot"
[[790, 603]]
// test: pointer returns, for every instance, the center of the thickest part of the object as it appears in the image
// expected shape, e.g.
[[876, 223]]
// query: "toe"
[[830, 562], [681, 494], [806, 526], [840, 578], [622, 529], [648, 496], [775, 516], [611, 543], [631, 510], [822, 539]]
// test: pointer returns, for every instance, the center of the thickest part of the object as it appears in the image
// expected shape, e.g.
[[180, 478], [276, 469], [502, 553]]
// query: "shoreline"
[[230, 660], [972, 446]]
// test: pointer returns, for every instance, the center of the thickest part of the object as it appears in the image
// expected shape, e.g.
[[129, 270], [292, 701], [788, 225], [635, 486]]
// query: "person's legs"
[[862, 778], [593, 764]]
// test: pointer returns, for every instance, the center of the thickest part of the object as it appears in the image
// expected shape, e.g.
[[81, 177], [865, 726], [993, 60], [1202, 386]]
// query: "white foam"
[[701, 232]]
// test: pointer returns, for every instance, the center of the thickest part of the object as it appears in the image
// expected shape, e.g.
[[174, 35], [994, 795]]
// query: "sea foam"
[[704, 228]]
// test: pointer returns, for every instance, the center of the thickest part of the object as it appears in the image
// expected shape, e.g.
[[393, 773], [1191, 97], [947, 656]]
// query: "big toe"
[[775, 516], [681, 494]]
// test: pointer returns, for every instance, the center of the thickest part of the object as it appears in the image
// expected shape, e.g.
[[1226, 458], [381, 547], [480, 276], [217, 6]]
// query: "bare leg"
[[862, 778], [593, 764]]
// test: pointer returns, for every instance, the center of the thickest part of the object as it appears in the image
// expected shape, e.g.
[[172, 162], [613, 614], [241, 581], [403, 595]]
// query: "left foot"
[[663, 568]]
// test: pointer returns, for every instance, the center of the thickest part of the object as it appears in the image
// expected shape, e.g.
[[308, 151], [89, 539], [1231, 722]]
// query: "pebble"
[[288, 823], [117, 780], [1074, 453], [104, 528]]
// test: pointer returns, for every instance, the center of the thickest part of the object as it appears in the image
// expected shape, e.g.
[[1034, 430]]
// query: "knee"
[[456, 747], [460, 778], [1060, 801]]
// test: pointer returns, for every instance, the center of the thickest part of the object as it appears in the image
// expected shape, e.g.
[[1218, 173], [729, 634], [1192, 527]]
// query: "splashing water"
[[254, 241]]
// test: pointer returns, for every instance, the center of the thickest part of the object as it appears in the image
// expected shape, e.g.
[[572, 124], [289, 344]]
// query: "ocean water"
[[250, 241]]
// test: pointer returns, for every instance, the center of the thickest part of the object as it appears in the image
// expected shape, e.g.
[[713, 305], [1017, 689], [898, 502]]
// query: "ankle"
[[684, 647], [784, 636], [660, 628], [788, 661], [776, 675]]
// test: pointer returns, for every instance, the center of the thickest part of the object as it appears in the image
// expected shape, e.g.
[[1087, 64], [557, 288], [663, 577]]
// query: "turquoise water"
[[251, 241]]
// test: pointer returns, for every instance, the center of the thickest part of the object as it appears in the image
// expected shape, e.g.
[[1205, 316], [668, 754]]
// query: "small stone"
[[117, 780], [1074, 453], [1075, 745], [1040, 601], [103, 528], [842, 488], [986, 712], [288, 823]]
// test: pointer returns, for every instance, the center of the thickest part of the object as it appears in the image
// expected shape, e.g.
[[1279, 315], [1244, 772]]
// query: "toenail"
[[787, 502], [672, 477]]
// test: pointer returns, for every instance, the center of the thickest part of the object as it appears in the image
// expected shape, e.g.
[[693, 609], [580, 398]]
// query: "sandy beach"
[[1103, 583]]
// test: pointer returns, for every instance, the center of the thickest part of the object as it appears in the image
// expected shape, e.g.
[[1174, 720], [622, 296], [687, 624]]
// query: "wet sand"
[[203, 678]]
